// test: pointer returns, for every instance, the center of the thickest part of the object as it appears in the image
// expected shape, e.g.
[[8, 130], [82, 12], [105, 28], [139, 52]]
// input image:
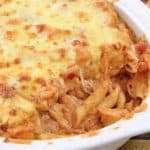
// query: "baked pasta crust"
[[67, 67]]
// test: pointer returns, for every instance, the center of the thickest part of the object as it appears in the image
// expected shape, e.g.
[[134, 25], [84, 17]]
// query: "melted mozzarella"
[[29, 51]]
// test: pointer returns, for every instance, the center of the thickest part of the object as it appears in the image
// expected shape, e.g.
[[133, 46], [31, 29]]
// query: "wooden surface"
[[136, 145]]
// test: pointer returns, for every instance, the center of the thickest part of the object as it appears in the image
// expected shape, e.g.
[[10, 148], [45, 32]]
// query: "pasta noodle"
[[67, 67]]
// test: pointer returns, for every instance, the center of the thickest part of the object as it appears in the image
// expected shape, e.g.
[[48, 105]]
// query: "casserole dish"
[[110, 137]]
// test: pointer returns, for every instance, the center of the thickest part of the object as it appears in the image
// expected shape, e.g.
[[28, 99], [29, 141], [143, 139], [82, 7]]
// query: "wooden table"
[[138, 143]]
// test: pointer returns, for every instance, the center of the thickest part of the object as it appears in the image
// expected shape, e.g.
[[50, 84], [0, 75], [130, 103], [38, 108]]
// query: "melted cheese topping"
[[36, 37], [67, 67]]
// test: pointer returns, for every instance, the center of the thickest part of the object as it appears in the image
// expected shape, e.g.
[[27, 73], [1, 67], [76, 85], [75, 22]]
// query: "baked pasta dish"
[[67, 67]]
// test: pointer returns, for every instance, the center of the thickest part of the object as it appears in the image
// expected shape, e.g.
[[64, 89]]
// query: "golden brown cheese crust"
[[41, 35], [64, 65]]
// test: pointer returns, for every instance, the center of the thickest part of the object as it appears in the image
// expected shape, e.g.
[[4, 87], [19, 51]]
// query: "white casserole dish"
[[111, 137]]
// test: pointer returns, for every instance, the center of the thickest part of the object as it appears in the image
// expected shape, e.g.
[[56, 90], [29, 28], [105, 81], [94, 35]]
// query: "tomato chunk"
[[141, 47]]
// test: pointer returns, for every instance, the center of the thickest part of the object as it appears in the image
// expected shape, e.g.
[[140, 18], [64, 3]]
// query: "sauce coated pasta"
[[67, 67]]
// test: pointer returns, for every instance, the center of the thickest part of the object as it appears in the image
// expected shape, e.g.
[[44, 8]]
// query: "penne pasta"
[[67, 67]]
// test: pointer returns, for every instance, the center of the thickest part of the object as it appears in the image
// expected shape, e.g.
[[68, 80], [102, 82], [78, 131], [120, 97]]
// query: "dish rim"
[[123, 129]]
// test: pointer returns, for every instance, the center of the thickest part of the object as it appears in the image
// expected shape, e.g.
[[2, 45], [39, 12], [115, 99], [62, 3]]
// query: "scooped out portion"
[[67, 67]]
